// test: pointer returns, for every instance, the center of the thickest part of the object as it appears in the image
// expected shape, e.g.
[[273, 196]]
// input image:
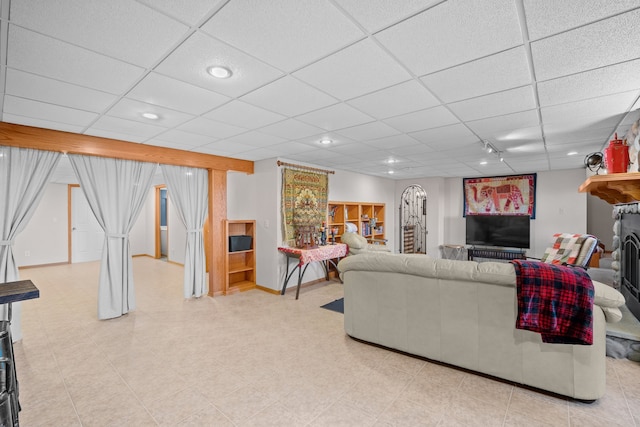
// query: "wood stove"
[[627, 254]]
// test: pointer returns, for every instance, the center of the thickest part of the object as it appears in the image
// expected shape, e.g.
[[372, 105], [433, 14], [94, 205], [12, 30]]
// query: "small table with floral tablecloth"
[[323, 254]]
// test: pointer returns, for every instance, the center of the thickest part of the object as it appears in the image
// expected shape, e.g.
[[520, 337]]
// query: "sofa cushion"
[[612, 314], [606, 296], [354, 240]]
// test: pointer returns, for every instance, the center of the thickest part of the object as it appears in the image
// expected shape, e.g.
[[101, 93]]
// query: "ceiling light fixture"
[[390, 161], [491, 149], [219, 72], [150, 116], [572, 153], [325, 141], [390, 172]]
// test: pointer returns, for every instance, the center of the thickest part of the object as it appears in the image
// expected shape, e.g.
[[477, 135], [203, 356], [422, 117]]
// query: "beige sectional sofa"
[[463, 313]]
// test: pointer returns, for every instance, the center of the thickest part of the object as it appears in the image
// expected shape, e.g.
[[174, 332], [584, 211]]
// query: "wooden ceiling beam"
[[72, 143]]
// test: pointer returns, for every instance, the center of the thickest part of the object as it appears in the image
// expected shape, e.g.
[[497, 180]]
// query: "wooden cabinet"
[[367, 218], [240, 263]]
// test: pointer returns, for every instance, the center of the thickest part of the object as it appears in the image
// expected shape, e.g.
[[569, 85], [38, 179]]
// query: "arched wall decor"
[[413, 220]]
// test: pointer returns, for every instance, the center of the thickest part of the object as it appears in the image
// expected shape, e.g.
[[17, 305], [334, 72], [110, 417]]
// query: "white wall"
[[45, 237], [265, 208], [559, 208]]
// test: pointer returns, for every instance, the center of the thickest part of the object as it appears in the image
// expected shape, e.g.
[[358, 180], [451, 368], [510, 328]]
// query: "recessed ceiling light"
[[219, 72], [484, 162], [391, 161], [391, 172], [150, 116], [325, 141], [572, 153]]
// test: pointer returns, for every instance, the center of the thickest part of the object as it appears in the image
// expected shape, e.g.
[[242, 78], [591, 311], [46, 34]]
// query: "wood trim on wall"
[[217, 215], [73, 143]]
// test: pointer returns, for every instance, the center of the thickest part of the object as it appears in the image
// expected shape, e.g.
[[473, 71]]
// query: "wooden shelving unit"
[[240, 265], [367, 217]]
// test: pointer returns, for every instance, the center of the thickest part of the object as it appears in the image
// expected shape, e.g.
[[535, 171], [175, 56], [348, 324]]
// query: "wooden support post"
[[217, 215]]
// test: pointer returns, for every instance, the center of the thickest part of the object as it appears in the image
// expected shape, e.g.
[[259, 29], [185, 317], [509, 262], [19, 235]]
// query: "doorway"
[[87, 236], [162, 223], [413, 220]]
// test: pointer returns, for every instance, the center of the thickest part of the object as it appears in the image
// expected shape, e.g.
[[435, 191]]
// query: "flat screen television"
[[509, 231]]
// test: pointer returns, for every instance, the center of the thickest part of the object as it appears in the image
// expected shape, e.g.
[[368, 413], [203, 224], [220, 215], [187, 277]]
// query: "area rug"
[[337, 305]]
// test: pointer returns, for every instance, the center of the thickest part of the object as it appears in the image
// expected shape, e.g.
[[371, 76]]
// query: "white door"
[[87, 236]]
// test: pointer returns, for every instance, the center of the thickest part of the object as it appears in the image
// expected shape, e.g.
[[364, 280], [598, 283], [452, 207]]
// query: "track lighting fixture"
[[491, 149]]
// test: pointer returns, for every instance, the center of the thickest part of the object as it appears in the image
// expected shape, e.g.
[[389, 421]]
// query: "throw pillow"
[[606, 296], [354, 240]]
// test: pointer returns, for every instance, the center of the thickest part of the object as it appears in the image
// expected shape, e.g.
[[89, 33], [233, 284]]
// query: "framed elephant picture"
[[500, 195]]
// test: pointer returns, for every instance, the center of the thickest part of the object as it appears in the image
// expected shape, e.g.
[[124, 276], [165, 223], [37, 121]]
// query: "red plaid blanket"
[[556, 301]]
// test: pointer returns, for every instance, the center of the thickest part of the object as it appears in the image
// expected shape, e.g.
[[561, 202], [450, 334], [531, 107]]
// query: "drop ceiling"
[[406, 86]]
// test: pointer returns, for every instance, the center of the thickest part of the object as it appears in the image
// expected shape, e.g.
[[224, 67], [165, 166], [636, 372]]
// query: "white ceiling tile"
[[170, 144], [496, 104], [292, 147], [43, 111], [258, 154], [256, 139], [130, 130], [425, 119], [412, 151], [120, 29], [171, 93], [285, 34], [396, 100], [457, 31], [25, 85], [357, 150], [224, 148], [47, 57], [445, 135], [190, 61], [289, 96], [207, 127], [291, 129], [369, 131], [131, 109], [517, 136], [580, 123], [589, 47], [590, 84], [377, 14], [354, 71], [334, 117], [593, 135], [179, 137], [188, 11], [505, 70], [39, 123], [245, 115], [391, 142], [505, 123], [594, 109], [547, 17]]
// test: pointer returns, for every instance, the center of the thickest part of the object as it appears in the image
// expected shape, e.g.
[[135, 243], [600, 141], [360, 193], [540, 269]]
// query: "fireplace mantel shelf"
[[614, 188]]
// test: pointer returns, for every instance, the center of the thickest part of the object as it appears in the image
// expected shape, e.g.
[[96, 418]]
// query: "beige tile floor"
[[253, 359]]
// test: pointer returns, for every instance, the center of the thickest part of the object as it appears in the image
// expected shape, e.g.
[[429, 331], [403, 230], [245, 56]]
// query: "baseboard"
[[23, 267]]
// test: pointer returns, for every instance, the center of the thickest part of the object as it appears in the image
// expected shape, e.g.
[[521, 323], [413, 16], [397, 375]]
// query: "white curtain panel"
[[115, 190], [188, 190], [23, 176]]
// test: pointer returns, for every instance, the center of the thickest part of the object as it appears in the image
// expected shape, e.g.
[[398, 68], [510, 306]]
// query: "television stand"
[[496, 253]]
